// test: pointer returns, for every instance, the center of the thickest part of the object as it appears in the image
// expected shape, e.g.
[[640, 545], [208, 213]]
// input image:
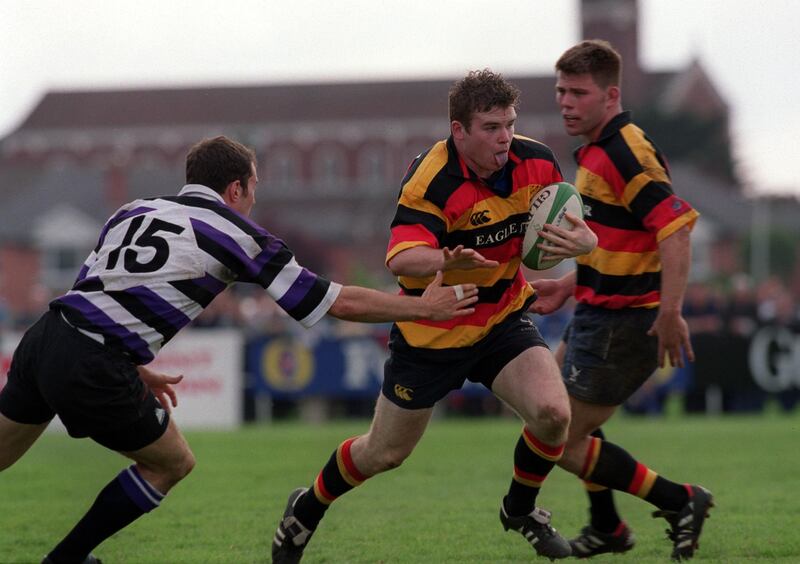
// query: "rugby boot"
[[536, 529], [292, 536], [591, 542], [687, 524]]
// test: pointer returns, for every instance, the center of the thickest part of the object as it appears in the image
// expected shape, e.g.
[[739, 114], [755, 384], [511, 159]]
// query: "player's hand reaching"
[[465, 259], [550, 295], [161, 386], [673, 338], [563, 243], [446, 302]]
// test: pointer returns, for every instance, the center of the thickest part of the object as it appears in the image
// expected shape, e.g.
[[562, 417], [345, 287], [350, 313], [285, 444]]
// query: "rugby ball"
[[549, 205]]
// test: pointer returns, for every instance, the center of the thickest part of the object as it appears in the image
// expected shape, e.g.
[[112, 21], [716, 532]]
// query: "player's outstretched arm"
[[425, 261], [438, 303]]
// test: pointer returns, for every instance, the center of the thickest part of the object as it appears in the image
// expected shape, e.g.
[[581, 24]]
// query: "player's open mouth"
[[501, 158]]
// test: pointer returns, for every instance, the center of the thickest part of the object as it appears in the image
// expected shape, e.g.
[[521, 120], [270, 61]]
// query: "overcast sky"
[[749, 47]]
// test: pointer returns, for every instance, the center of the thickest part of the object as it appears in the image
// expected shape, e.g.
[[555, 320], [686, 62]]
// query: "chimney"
[[617, 21]]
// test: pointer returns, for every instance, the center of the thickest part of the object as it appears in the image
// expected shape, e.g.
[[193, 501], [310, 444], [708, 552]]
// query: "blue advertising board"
[[288, 368]]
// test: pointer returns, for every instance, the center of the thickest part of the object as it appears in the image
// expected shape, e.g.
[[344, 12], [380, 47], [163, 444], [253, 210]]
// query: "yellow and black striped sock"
[[336, 478], [602, 510], [533, 460], [611, 466]]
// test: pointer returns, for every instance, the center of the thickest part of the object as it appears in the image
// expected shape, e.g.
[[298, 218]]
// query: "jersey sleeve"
[[647, 190], [253, 255], [417, 221]]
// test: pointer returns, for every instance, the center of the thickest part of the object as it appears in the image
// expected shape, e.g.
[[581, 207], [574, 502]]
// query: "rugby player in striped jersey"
[[462, 209], [629, 291], [158, 263]]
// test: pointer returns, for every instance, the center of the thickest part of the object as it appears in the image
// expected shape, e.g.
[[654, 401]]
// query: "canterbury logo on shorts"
[[402, 392]]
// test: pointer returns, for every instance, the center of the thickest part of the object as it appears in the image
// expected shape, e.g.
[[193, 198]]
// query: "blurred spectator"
[[741, 312], [702, 309]]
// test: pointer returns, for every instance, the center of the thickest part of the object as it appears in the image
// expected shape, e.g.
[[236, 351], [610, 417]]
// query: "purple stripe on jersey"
[[210, 283], [266, 254], [88, 284], [82, 273], [159, 306], [120, 217], [251, 267], [103, 324], [298, 290]]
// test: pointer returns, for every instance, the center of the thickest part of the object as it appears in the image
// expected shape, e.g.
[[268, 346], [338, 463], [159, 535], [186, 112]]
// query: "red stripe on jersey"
[[509, 250], [535, 171], [638, 478], [406, 233], [348, 461], [586, 294], [483, 311], [462, 199], [555, 451], [596, 161], [623, 240], [665, 213]]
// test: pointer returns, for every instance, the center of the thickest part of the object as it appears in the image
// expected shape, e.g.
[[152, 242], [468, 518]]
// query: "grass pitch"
[[440, 506]]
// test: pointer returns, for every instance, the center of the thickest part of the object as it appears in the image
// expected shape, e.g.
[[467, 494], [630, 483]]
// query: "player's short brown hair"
[[595, 57], [480, 91], [219, 161]]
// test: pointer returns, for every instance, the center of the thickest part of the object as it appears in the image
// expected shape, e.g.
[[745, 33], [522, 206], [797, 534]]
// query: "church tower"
[[617, 21]]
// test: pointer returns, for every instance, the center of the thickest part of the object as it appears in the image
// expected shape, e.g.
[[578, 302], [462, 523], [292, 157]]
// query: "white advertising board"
[[211, 361]]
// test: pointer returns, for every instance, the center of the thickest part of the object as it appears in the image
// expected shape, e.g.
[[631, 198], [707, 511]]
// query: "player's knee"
[[392, 458], [185, 465], [553, 422], [177, 468]]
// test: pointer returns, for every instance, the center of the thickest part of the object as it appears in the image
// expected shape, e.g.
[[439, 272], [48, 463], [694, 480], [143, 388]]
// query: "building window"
[[61, 266], [283, 169], [329, 169], [372, 168]]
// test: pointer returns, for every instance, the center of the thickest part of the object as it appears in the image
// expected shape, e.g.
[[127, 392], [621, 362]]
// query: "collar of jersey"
[[612, 128], [201, 191], [499, 182]]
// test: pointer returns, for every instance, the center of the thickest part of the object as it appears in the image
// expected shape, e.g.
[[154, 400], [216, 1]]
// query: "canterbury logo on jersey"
[[480, 218], [402, 392]]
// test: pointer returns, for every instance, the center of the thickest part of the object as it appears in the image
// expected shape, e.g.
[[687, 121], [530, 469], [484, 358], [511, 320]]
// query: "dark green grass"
[[440, 506]]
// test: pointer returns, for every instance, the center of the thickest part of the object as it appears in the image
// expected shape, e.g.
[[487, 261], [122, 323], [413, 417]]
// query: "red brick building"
[[331, 157]]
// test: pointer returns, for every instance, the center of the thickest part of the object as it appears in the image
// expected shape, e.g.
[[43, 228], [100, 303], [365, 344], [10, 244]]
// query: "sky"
[[748, 47]]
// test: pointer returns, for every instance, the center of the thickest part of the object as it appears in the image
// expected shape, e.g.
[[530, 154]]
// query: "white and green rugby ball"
[[549, 205]]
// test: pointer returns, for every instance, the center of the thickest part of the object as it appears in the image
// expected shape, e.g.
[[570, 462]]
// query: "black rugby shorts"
[[95, 391], [609, 354], [416, 378]]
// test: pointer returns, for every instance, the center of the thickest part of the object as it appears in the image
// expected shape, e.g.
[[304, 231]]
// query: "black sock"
[[602, 510], [122, 501], [533, 460], [336, 478]]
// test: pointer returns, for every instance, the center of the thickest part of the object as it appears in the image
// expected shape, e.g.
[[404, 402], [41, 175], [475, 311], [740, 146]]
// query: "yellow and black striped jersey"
[[443, 203], [628, 202]]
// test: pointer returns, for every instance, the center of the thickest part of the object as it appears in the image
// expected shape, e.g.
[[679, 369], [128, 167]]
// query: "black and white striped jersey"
[[160, 261]]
